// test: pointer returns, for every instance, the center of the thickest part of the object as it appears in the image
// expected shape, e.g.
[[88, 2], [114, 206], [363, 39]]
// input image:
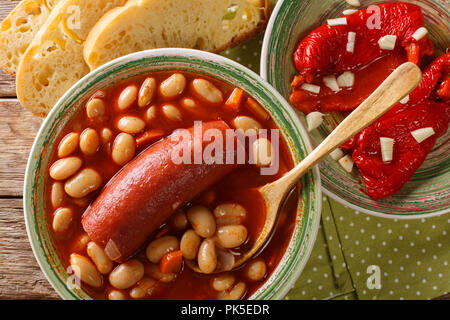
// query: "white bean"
[[190, 242], [131, 124], [150, 114], [57, 194], [101, 260], [173, 86], [247, 124], [179, 220], [85, 182], [159, 247], [207, 258], [202, 221], [62, 219], [143, 288], [127, 97], [89, 142], [229, 213], [95, 108], [106, 135], [207, 91], [236, 293], [223, 282], [189, 104], [127, 274], [64, 168], [116, 295], [124, 148], [68, 145], [262, 152], [147, 92], [171, 112], [231, 236], [84, 269], [256, 270]]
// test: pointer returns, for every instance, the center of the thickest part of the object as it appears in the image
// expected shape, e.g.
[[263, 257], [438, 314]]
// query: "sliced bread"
[[54, 60], [18, 30], [209, 25]]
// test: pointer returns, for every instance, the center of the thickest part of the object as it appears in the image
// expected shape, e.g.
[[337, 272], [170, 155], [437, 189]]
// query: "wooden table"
[[20, 275]]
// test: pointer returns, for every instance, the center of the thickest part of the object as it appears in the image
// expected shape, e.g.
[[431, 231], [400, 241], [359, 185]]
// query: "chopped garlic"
[[331, 82], [349, 12], [347, 163], [422, 134], [387, 149], [405, 100], [387, 42], [310, 87], [337, 22], [351, 42], [354, 3], [347, 79], [420, 33], [314, 120], [351, 36], [336, 154], [351, 47]]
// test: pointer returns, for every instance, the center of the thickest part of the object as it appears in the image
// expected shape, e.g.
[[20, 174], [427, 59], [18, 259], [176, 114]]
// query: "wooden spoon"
[[400, 83]]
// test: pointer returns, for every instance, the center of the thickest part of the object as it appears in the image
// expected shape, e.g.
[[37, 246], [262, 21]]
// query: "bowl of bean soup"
[[146, 170]]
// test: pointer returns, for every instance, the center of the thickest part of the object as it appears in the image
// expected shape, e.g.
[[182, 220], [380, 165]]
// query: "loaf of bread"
[[18, 30], [54, 60], [209, 25]]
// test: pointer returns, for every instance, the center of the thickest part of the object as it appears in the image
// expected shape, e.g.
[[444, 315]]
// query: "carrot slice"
[[256, 109], [149, 136], [234, 101], [171, 262], [298, 80]]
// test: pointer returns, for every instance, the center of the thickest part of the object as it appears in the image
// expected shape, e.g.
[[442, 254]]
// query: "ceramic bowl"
[[308, 210], [428, 192]]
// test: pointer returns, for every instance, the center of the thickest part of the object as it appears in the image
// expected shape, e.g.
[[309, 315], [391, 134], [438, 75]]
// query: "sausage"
[[148, 190]]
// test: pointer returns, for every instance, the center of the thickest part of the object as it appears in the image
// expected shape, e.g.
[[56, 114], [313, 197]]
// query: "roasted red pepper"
[[427, 107], [368, 78], [324, 52]]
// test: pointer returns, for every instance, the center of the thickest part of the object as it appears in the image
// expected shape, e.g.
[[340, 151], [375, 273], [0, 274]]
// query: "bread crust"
[[38, 93], [113, 19], [54, 60], [33, 14], [251, 34]]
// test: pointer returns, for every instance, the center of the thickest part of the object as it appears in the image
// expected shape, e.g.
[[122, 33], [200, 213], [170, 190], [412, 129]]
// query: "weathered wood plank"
[[18, 129], [6, 6], [7, 85], [20, 275]]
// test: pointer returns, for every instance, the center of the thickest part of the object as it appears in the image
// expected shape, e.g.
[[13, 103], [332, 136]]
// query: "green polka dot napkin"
[[357, 256]]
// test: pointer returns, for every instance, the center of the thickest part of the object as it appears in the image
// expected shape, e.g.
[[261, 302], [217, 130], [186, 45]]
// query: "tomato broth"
[[235, 188]]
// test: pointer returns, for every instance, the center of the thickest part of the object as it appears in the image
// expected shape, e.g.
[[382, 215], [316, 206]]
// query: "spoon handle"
[[401, 82]]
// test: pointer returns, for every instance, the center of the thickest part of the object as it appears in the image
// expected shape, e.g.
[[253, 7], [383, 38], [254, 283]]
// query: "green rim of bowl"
[[301, 244], [428, 192]]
